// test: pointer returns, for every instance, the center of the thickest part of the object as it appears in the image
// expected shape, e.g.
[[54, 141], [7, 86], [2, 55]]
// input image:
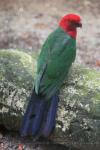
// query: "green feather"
[[54, 62]]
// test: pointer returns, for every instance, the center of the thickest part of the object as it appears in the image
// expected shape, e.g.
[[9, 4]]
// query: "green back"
[[56, 57]]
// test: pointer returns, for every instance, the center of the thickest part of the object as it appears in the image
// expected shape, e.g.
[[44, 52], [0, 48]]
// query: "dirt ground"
[[25, 24]]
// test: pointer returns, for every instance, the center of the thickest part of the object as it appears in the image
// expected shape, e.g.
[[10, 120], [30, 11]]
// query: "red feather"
[[65, 25]]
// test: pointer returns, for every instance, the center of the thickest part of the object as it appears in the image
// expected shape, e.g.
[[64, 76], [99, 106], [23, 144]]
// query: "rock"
[[16, 81], [78, 117]]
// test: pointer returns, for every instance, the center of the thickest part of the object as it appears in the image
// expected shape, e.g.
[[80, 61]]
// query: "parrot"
[[54, 62]]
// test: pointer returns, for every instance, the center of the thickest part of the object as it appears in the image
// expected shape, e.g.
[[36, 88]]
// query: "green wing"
[[56, 57]]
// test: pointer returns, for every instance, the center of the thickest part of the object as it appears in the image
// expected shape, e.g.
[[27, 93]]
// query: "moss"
[[16, 66], [79, 107]]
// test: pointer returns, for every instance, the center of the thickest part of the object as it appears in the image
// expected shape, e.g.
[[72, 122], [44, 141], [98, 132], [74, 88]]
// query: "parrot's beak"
[[79, 25], [76, 24]]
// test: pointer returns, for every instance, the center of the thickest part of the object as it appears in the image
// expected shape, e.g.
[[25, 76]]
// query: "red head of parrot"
[[69, 23]]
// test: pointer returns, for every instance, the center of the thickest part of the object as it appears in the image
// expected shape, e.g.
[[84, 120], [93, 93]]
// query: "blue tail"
[[38, 118], [51, 117]]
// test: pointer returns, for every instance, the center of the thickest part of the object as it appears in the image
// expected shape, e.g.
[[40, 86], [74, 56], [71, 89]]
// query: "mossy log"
[[78, 117]]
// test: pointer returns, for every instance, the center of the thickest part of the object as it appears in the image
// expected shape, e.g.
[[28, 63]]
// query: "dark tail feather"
[[51, 117], [26, 119], [33, 115], [39, 118]]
